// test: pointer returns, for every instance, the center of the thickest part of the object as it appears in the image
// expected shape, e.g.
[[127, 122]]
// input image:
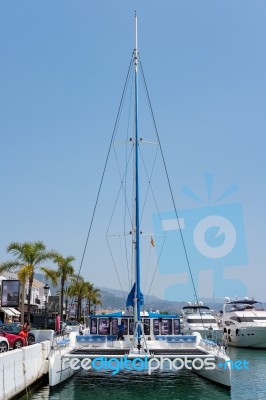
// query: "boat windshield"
[[201, 320], [196, 310], [249, 319]]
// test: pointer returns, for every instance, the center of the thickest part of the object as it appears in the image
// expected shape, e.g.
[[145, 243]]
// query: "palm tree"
[[63, 272], [77, 290], [85, 290], [29, 255], [93, 297], [22, 276], [67, 294]]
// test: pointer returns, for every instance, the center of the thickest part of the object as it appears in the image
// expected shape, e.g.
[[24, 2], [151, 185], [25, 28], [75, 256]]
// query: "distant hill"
[[113, 299], [41, 278]]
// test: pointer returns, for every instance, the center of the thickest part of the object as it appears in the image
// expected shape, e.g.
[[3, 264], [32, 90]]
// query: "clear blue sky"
[[62, 70]]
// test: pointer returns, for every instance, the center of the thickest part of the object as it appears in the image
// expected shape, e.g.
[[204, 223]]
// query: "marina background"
[[61, 63], [61, 75]]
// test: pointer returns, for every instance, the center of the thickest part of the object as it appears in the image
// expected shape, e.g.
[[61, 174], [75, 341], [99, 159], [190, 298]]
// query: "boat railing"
[[60, 341], [95, 340], [176, 341], [213, 335], [209, 345]]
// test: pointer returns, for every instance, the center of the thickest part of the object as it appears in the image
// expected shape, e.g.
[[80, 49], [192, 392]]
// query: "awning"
[[16, 312], [8, 311]]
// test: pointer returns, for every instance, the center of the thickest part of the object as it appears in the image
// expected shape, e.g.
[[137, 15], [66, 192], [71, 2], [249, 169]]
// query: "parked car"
[[15, 341], [72, 322], [4, 345], [15, 327], [40, 321]]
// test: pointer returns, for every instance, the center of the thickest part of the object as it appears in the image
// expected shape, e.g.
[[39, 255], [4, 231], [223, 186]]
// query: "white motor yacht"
[[244, 323], [199, 318]]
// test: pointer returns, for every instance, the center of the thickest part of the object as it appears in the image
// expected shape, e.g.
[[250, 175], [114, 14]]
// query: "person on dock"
[[57, 324], [25, 330], [121, 330]]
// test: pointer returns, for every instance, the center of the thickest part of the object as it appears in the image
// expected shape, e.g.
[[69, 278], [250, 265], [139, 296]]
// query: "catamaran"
[[150, 341]]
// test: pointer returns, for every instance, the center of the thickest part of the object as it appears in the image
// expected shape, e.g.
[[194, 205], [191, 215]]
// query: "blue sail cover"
[[131, 296]]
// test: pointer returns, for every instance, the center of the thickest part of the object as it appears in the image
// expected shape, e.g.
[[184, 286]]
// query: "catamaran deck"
[[125, 352]]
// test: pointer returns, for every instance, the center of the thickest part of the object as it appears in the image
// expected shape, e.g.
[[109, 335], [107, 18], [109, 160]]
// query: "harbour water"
[[248, 383]]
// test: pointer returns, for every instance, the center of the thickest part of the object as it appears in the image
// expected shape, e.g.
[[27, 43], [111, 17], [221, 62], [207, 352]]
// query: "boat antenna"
[[136, 43]]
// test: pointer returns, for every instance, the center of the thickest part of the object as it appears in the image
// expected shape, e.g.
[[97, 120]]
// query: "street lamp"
[[66, 314], [46, 290], [76, 304]]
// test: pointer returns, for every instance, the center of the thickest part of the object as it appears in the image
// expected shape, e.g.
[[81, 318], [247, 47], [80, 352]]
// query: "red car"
[[15, 341]]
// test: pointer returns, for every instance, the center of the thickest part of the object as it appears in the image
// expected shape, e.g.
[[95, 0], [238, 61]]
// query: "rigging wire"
[[115, 205], [123, 179], [105, 166], [168, 181], [123, 182], [149, 178]]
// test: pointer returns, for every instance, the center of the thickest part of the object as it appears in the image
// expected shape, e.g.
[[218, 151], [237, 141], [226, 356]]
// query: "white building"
[[37, 300]]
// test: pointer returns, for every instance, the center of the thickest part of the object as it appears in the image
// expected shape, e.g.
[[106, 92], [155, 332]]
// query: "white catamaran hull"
[[159, 356], [60, 371], [59, 367], [221, 374]]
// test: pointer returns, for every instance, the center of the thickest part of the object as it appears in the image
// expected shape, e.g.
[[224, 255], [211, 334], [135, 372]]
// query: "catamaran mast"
[[137, 302]]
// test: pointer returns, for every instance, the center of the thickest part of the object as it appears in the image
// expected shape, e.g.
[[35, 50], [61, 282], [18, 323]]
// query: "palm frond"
[[50, 274]]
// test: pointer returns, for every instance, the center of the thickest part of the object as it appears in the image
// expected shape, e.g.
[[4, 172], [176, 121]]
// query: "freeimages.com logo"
[[214, 237], [234, 365], [140, 364], [149, 365]]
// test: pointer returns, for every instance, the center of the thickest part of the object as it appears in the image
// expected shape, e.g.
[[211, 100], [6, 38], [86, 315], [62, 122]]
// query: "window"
[[131, 326], [93, 327], [147, 329], [201, 321], [104, 327], [250, 319], [166, 326], [125, 320], [156, 326], [114, 326], [176, 326]]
